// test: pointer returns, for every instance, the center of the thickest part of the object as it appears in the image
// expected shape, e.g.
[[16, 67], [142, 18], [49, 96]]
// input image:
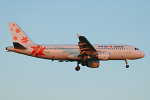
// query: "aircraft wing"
[[85, 46]]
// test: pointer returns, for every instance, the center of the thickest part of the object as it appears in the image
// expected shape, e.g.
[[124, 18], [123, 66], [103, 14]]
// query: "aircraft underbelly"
[[123, 55], [119, 56], [58, 56]]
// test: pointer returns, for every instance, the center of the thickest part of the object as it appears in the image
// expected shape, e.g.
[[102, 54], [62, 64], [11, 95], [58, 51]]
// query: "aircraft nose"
[[142, 54]]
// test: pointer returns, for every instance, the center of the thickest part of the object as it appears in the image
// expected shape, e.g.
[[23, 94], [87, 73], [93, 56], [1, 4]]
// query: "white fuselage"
[[67, 52], [84, 53]]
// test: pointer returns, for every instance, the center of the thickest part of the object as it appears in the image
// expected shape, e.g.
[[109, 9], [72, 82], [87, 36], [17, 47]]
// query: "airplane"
[[84, 53]]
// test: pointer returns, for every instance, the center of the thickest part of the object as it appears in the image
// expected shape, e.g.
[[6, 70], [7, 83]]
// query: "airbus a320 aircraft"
[[84, 53]]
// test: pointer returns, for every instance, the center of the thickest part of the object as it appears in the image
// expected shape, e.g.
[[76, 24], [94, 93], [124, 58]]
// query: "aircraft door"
[[128, 50]]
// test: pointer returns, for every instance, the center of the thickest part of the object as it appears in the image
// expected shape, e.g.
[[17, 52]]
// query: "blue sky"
[[57, 22]]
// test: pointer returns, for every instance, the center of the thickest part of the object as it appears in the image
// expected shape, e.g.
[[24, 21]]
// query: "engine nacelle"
[[103, 55], [93, 64]]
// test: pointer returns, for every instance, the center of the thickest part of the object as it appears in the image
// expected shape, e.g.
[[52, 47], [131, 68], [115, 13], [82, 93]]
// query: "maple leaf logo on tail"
[[37, 51], [24, 40], [17, 30], [15, 38]]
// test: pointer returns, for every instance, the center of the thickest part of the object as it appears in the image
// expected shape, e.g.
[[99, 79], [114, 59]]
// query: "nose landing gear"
[[77, 68], [127, 66]]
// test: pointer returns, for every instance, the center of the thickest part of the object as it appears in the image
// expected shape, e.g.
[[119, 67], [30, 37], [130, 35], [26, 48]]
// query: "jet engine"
[[103, 55], [91, 64]]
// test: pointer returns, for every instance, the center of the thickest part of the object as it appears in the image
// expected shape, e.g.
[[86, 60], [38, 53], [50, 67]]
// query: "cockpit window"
[[136, 49]]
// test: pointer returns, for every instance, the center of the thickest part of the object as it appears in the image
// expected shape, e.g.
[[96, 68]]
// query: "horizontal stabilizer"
[[18, 46]]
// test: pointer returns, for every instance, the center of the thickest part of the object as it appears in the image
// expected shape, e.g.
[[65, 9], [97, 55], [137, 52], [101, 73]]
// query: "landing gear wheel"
[[127, 66], [77, 68]]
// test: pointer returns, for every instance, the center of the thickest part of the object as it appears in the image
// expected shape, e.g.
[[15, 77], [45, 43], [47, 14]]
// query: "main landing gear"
[[78, 67], [127, 66]]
